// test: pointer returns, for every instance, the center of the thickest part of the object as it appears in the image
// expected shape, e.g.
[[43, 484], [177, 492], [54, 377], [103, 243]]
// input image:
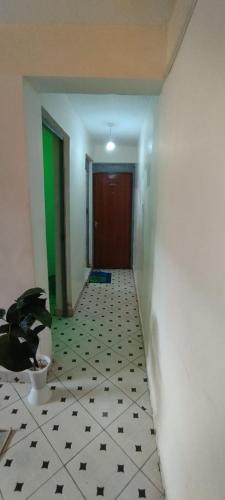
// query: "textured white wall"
[[121, 154], [145, 202], [186, 332], [16, 253]]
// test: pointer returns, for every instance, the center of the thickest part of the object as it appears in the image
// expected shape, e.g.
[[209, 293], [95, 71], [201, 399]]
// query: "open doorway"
[[54, 190]]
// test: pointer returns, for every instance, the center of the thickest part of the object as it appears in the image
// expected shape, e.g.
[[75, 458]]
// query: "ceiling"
[[88, 85], [127, 113], [86, 11]]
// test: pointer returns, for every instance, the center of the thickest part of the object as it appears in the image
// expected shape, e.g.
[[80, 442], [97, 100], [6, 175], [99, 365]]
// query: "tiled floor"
[[95, 438]]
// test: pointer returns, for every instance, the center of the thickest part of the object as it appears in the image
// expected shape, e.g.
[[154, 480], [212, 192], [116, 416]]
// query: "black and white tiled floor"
[[96, 437]]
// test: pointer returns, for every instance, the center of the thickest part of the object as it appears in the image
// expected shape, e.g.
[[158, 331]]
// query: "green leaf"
[[4, 328], [14, 355], [41, 315], [25, 305], [12, 315], [31, 292], [16, 332], [2, 313], [27, 322], [29, 307], [38, 329], [32, 341], [31, 337], [29, 334]]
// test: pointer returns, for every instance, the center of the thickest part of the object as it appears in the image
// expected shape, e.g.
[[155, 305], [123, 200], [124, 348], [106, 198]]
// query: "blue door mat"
[[100, 277]]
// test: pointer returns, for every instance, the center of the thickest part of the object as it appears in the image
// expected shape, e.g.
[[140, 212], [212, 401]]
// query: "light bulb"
[[110, 146]]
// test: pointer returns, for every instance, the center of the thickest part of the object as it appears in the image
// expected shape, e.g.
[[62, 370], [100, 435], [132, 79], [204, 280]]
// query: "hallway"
[[148, 77], [95, 438]]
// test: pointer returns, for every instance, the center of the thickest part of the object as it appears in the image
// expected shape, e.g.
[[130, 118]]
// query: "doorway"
[[88, 170], [112, 227], [53, 161]]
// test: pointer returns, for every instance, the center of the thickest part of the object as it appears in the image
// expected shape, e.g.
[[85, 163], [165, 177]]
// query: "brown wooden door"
[[112, 203]]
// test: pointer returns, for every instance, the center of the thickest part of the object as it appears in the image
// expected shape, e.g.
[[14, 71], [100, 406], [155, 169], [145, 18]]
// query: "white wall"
[[121, 154], [58, 106], [186, 365], [144, 210], [16, 253]]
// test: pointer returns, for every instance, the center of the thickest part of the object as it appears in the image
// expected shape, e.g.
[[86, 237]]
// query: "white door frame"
[[63, 274]]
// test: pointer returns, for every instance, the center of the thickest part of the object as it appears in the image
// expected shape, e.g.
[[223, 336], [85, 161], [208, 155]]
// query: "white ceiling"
[[85, 11], [127, 113]]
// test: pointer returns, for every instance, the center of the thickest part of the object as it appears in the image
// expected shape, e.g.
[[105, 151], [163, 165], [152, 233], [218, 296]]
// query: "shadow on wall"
[[153, 361]]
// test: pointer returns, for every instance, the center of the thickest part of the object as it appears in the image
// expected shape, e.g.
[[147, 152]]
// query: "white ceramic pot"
[[40, 392]]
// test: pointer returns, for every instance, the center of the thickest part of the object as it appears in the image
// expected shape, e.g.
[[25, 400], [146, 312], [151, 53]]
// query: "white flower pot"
[[40, 392]]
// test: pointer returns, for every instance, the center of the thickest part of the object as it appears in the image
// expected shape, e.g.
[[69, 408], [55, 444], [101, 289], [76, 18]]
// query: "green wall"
[[50, 152]]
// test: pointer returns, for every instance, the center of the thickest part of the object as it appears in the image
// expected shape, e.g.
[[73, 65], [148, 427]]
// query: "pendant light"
[[110, 145]]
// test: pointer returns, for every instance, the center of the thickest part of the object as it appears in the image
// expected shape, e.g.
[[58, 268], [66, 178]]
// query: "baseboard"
[[87, 274], [70, 311], [149, 384]]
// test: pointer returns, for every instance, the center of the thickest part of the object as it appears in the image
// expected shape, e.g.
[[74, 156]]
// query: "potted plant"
[[19, 340]]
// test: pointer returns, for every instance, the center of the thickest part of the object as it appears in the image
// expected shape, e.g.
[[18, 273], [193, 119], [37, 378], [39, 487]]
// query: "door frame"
[[63, 275], [116, 168], [89, 210]]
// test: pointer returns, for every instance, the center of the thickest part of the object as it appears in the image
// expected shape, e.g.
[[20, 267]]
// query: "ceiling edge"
[[180, 34]]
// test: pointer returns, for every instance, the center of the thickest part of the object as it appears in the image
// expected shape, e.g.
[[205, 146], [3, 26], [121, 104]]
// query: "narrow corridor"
[[95, 438]]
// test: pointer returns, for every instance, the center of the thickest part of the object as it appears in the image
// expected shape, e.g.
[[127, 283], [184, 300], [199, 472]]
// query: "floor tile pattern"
[[96, 436]]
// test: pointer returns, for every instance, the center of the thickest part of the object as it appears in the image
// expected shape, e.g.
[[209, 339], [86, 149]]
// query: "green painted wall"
[[50, 152]]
